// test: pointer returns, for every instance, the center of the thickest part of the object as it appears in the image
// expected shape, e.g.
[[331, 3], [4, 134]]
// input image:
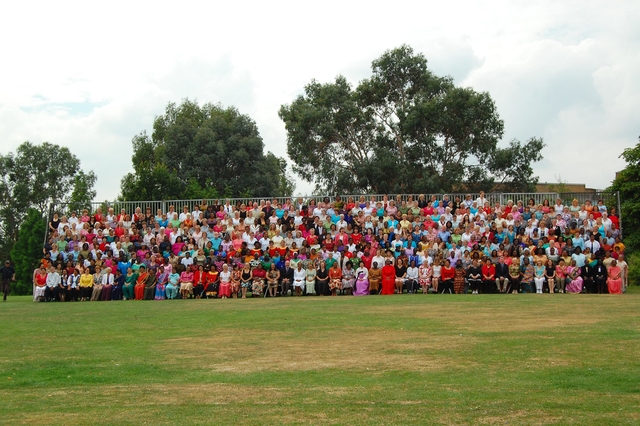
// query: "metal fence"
[[130, 207]]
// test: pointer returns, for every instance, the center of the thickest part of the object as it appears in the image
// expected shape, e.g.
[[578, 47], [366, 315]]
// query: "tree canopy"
[[404, 129], [27, 251], [203, 151], [35, 176], [627, 182]]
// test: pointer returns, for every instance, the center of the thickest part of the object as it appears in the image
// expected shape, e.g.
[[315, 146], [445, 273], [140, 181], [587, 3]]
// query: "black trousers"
[[6, 287], [446, 287]]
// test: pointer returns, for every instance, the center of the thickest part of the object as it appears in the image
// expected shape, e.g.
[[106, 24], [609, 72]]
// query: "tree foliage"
[[27, 251], [208, 151], [404, 129], [35, 176], [627, 182]]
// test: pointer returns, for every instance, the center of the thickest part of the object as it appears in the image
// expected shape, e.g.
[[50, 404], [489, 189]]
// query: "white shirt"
[[107, 279], [196, 214], [187, 261], [593, 245], [412, 273], [53, 279], [264, 243], [379, 259], [299, 277], [73, 281]]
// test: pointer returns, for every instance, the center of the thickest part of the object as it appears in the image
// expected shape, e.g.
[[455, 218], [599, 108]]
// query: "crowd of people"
[[330, 247]]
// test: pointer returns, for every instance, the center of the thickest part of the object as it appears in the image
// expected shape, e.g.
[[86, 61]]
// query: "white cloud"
[[91, 77]]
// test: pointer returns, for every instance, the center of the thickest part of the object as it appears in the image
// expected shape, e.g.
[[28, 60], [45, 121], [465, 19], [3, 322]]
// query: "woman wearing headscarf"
[[388, 276]]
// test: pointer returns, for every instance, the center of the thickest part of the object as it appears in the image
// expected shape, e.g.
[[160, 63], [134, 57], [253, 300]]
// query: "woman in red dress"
[[388, 278]]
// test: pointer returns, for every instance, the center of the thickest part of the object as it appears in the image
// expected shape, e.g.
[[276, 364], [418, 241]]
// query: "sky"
[[90, 76]]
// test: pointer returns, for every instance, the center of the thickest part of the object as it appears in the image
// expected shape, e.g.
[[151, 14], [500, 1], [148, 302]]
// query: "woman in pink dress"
[[573, 274], [224, 290], [362, 282], [615, 278]]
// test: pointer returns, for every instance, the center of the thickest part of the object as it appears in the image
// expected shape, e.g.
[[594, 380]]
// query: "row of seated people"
[[343, 274]]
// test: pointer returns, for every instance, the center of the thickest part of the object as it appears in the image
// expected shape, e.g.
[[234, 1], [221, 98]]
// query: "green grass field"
[[411, 359]]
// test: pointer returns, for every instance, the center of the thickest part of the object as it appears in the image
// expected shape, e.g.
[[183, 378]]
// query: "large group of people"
[[333, 246]]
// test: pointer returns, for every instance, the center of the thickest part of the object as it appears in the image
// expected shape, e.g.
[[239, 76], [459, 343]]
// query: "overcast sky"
[[90, 75]]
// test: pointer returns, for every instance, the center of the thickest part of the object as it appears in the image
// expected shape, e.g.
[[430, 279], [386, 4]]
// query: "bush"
[[27, 251]]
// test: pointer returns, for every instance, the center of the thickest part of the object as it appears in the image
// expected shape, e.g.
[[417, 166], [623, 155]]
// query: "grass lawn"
[[411, 359]]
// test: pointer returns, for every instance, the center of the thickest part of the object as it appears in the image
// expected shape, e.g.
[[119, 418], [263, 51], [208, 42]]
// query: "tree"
[[627, 183], [35, 176], [203, 150], [27, 251], [404, 129]]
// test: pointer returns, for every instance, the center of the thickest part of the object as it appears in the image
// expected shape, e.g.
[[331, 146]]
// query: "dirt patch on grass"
[[168, 394], [351, 348]]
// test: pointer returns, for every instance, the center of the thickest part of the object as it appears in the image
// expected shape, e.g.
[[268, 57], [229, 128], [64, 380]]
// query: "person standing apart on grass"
[[7, 274]]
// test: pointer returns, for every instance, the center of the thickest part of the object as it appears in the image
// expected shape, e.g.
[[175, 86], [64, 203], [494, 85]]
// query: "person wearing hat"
[[7, 274]]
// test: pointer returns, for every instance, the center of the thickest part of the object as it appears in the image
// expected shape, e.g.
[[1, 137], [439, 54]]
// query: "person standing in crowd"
[[7, 274], [614, 278]]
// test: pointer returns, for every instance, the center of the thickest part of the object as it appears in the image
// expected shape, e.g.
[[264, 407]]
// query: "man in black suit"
[[286, 278], [502, 275]]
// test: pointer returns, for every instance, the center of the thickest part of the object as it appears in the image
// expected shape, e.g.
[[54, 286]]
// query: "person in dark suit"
[[502, 275], [286, 277]]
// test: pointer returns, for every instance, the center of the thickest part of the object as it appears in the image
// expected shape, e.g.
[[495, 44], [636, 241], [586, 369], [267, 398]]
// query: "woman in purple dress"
[[362, 282]]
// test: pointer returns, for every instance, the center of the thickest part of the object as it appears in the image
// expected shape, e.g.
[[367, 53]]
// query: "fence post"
[[619, 215]]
